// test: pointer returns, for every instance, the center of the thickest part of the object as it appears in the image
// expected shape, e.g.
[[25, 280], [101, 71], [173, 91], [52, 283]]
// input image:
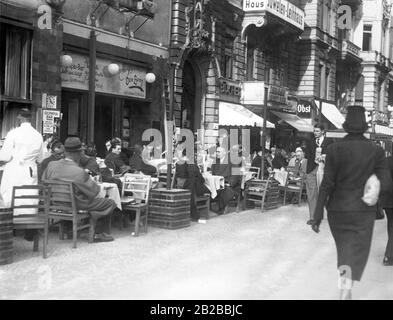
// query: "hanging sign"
[[130, 81]]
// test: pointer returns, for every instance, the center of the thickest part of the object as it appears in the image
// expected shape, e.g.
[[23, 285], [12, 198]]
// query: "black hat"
[[355, 122], [73, 144], [24, 113]]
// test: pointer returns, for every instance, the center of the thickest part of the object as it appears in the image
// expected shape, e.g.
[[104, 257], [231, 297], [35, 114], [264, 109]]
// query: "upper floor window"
[[15, 62], [326, 17], [144, 8], [367, 37], [228, 58], [250, 63], [324, 80]]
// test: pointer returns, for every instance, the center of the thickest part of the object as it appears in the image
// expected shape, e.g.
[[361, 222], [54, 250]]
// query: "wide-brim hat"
[[73, 144], [355, 122]]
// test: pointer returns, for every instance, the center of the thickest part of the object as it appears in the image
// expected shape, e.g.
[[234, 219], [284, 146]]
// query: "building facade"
[[124, 41]]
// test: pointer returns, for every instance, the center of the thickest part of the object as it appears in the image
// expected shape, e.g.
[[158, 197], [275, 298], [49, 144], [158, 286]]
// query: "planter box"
[[169, 209]]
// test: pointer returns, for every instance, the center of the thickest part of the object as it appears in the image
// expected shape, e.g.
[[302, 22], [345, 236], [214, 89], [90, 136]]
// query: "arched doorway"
[[191, 98]]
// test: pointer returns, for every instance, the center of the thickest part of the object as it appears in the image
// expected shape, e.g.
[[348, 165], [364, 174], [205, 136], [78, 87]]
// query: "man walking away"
[[351, 163]]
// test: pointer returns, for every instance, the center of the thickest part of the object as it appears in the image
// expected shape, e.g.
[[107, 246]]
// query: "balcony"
[[350, 51], [354, 4], [283, 14], [375, 57]]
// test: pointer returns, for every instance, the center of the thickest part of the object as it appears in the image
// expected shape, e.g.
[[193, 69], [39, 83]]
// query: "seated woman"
[[280, 160], [189, 177], [257, 162], [137, 162]]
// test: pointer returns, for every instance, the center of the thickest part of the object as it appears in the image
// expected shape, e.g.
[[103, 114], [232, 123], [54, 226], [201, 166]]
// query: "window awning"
[[231, 114], [295, 121], [331, 113], [383, 130]]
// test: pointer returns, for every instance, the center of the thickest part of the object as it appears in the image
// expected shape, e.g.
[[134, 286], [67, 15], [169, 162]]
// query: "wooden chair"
[[256, 190], [136, 187], [37, 195], [62, 207], [294, 184], [256, 171]]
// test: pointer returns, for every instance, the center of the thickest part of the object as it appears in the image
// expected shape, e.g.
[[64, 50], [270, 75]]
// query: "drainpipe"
[[92, 87]]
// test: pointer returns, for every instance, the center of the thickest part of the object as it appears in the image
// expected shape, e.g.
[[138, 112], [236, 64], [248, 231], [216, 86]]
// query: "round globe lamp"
[[150, 77]]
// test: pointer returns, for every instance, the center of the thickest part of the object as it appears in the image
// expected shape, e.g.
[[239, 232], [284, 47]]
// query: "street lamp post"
[[264, 131]]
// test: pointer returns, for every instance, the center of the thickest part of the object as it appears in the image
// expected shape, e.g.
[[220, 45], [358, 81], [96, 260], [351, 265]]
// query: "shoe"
[[310, 222], [387, 261], [103, 237]]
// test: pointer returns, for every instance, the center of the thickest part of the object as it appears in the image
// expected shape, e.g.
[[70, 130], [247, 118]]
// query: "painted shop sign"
[[280, 8], [277, 94], [304, 109], [230, 88], [130, 81]]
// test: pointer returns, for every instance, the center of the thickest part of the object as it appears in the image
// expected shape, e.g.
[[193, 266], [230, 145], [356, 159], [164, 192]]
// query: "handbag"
[[371, 191]]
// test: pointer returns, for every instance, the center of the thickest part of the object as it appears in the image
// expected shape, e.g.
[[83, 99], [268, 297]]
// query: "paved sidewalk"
[[246, 255]]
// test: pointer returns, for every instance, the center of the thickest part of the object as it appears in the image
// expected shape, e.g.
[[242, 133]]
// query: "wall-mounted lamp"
[[150, 77], [66, 60], [113, 69]]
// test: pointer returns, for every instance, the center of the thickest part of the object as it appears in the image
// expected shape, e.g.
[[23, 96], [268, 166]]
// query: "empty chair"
[[32, 198]]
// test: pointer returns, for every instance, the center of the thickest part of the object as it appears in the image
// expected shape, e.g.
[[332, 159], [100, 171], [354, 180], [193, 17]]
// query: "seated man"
[[223, 168], [257, 162], [137, 162], [88, 160], [57, 153], [113, 159], [86, 191], [189, 177]]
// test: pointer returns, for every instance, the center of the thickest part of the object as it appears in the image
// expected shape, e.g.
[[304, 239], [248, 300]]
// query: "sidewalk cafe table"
[[111, 191], [157, 163], [213, 183], [280, 176], [247, 175]]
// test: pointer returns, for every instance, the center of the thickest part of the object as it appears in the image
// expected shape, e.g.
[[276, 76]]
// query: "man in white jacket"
[[22, 149]]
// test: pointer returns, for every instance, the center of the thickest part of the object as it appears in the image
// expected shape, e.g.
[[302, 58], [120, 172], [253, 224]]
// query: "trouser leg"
[[389, 246], [312, 191]]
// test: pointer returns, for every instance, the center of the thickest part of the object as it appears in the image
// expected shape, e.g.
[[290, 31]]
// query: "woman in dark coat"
[[349, 164], [189, 177], [387, 204]]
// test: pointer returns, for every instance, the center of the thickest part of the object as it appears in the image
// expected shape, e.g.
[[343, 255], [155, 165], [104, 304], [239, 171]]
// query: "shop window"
[[15, 62], [367, 37]]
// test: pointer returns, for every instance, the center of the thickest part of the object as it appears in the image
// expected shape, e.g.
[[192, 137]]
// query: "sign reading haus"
[[280, 8]]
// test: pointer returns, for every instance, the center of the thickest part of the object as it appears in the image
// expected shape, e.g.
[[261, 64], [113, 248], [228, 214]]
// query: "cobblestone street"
[[246, 255]]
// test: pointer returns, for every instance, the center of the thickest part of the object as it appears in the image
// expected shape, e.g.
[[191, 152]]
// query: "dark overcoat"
[[85, 189], [310, 151], [349, 163], [387, 195]]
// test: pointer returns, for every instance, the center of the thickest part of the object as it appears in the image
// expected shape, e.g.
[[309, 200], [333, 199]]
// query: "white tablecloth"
[[157, 163], [247, 175], [112, 191], [280, 176], [213, 183]]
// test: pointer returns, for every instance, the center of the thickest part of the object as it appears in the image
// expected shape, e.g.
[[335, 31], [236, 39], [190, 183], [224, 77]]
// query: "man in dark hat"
[[86, 190], [349, 165]]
